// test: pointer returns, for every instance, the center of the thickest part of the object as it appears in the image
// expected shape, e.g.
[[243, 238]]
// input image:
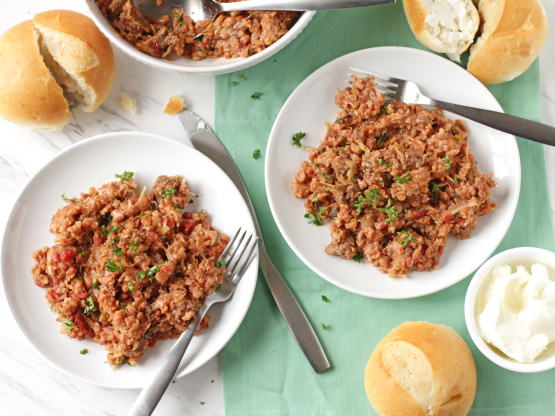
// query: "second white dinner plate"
[[94, 162], [313, 103]]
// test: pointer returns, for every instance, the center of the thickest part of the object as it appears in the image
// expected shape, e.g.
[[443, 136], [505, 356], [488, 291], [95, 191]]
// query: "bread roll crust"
[[451, 363], [513, 34], [29, 94]]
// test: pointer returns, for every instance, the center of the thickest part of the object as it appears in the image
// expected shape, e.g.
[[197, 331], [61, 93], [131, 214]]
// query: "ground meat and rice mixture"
[[230, 35], [394, 180], [129, 268]]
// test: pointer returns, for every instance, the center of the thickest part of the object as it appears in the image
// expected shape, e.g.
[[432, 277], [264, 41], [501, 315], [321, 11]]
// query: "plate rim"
[[319, 72], [4, 243]]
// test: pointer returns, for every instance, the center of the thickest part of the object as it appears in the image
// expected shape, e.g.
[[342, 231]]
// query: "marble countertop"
[[29, 385]]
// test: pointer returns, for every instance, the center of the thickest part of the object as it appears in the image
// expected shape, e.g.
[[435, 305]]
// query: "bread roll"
[[513, 35], [421, 369], [57, 59], [446, 26]]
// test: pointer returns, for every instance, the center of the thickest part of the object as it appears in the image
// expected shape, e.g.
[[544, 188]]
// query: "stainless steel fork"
[[236, 264], [408, 92]]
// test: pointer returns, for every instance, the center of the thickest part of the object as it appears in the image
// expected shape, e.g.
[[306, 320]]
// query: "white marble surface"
[[28, 385]]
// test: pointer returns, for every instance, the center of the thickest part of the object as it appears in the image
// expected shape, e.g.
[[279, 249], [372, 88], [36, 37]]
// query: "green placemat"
[[264, 371]]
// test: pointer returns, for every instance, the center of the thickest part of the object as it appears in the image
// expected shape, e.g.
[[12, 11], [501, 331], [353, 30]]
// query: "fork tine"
[[228, 247], [246, 260], [387, 79], [386, 93], [231, 268], [230, 261]]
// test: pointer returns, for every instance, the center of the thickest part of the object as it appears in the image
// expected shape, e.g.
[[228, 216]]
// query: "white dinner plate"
[[94, 162], [313, 103]]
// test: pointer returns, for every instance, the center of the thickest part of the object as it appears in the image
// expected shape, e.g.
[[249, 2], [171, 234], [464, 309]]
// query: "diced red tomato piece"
[[409, 261], [56, 256], [203, 324], [187, 215], [418, 213], [169, 222], [151, 343], [154, 237], [363, 99], [80, 296], [67, 255], [153, 45], [380, 225]]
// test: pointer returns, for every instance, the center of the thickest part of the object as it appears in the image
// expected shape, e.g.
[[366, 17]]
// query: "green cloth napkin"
[[264, 371]]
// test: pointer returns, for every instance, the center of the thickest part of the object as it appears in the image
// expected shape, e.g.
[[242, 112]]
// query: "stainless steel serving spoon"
[[208, 9]]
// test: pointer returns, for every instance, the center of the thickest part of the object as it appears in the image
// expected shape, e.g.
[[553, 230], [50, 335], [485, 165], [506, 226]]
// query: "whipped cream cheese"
[[519, 314]]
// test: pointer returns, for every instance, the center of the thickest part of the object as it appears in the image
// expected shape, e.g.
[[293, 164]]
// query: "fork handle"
[[521, 127], [154, 390]]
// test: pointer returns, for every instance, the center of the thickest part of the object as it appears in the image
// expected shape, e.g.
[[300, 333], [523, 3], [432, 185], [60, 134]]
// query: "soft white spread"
[[450, 23], [519, 316]]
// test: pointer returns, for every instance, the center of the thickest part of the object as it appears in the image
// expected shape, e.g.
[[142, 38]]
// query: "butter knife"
[[206, 142]]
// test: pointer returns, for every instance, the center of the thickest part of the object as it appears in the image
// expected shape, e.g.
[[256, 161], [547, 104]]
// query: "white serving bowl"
[[183, 65], [474, 304]]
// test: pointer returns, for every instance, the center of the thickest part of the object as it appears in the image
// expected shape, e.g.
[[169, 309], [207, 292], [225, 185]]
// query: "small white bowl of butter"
[[510, 309]]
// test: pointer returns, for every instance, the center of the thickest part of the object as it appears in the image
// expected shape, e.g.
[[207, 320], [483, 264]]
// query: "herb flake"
[[297, 138]]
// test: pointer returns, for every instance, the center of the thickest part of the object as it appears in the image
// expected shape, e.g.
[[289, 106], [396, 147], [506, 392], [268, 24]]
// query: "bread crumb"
[[129, 103], [175, 105]]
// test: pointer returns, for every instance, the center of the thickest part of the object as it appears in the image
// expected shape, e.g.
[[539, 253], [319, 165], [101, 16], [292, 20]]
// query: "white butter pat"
[[519, 316]]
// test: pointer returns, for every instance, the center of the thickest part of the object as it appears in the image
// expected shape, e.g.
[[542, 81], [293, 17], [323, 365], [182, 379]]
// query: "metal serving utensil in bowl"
[[199, 10], [408, 92], [237, 263]]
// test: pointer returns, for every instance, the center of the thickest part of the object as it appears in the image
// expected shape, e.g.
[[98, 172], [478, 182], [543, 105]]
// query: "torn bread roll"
[[421, 369], [446, 26], [513, 34], [58, 59]]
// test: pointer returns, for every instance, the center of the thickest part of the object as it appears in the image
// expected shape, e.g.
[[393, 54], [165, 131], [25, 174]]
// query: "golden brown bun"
[[57, 56], [446, 26], [421, 369], [513, 35], [29, 94]]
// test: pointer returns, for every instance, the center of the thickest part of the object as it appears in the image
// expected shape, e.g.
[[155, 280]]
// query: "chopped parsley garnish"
[[315, 199], [150, 273], [456, 180], [340, 120], [181, 23], [141, 275], [326, 176], [242, 77], [95, 284], [403, 179], [383, 162], [168, 192], [148, 334], [134, 246], [69, 325], [218, 287], [297, 138], [313, 218], [434, 189], [177, 208], [117, 251], [343, 138], [127, 362], [325, 299], [90, 307], [256, 153], [201, 211], [220, 263], [201, 402], [131, 285], [124, 307], [325, 326], [191, 201], [79, 277], [409, 238], [358, 257], [108, 231], [67, 199], [83, 254], [234, 83], [111, 266], [125, 176], [384, 108], [369, 197], [390, 210], [84, 351], [110, 218], [256, 95], [382, 139], [448, 161]]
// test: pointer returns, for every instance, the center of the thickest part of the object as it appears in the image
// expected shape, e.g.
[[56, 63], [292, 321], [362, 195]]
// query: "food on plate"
[[175, 105], [446, 26], [394, 180], [230, 35], [127, 268], [512, 33], [421, 369], [129, 103], [518, 311], [57, 59]]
